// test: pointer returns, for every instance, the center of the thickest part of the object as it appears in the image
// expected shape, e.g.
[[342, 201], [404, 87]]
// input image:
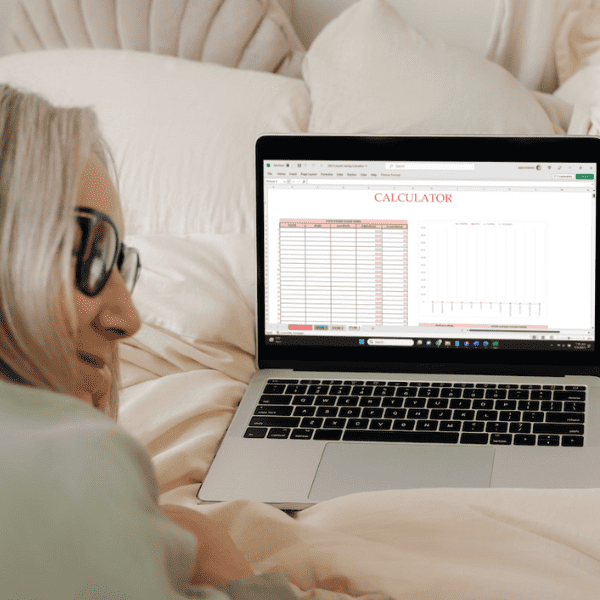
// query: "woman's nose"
[[118, 311]]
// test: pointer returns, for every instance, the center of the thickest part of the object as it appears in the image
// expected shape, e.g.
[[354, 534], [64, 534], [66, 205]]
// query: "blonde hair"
[[43, 151]]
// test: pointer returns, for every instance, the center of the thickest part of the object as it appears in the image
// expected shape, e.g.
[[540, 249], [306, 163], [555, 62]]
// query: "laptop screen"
[[409, 257]]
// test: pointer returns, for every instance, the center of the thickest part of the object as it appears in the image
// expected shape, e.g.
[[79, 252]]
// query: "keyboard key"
[[350, 411], [509, 415], [429, 392], [420, 437], [340, 390], [461, 403], [334, 423], [372, 413], [486, 415], [304, 411], [548, 440], [486, 404], [473, 426], [325, 400], [385, 390], [518, 394], [403, 424], [565, 417], [275, 399], [295, 389], [328, 434], [303, 400], [370, 401], [558, 428], [255, 432], [357, 424], [450, 426], [524, 440], [533, 417], [272, 388], [496, 427], [451, 393], [347, 401], [311, 423], [501, 439], [381, 424], [426, 425], [273, 410], [407, 392], [318, 389], [362, 390], [274, 422], [572, 440], [495, 394], [278, 433], [570, 395], [395, 402], [474, 438], [415, 402], [395, 413], [441, 415], [418, 413], [464, 415], [530, 405], [520, 428], [302, 434], [324, 411], [437, 403]]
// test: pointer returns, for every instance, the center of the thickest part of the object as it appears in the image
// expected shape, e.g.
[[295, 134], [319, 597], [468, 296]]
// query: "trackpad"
[[350, 468]]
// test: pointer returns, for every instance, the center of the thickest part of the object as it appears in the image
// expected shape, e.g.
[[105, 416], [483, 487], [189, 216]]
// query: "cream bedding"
[[186, 370], [187, 188]]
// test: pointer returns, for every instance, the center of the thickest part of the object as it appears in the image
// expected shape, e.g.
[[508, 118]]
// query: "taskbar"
[[425, 344]]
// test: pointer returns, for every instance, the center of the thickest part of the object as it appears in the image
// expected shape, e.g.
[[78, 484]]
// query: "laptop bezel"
[[418, 148]]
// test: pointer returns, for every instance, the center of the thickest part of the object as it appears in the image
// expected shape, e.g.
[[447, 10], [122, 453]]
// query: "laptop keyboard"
[[420, 412]]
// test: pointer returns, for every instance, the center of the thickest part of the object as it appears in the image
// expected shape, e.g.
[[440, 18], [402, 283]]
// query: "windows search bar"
[[430, 166], [390, 342]]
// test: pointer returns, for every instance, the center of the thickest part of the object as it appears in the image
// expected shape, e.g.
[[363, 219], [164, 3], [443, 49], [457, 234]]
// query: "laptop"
[[426, 317]]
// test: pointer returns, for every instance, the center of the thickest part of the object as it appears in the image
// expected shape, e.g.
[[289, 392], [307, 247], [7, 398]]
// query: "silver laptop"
[[426, 317]]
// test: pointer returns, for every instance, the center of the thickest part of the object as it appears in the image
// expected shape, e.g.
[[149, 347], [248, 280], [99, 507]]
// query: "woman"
[[79, 516]]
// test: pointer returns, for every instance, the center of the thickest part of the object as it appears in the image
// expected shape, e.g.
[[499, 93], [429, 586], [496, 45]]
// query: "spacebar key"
[[424, 437]]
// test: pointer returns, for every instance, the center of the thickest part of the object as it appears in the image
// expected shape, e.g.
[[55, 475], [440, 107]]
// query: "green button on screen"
[[584, 176]]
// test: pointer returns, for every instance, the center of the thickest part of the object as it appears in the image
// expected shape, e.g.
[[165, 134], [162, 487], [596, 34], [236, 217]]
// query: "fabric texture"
[[369, 72], [79, 513], [182, 132], [180, 392], [248, 34], [577, 52], [524, 36]]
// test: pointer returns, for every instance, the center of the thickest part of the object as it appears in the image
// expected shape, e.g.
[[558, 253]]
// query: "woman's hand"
[[217, 558]]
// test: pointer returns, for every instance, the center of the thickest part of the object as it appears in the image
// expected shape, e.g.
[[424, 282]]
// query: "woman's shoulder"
[[38, 426]]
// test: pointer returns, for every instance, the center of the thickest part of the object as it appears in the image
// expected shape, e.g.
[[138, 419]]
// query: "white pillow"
[[200, 287], [370, 72], [182, 132]]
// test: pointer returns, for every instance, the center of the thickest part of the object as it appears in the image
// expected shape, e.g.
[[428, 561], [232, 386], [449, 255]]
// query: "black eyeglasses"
[[98, 250]]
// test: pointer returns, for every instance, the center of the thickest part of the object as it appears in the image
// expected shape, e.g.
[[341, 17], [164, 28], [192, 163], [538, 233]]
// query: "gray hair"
[[43, 151]]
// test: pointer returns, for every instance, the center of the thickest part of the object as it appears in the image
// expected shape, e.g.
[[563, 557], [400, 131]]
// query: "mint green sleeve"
[[79, 513]]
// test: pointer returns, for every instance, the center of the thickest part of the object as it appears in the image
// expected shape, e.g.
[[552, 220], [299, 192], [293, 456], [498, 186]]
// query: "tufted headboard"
[[246, 34]]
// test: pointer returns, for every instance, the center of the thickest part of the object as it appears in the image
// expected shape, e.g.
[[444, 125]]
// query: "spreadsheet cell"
[[334, 272]]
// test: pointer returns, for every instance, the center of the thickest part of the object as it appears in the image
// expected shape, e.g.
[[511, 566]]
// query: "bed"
[[182, 91]]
